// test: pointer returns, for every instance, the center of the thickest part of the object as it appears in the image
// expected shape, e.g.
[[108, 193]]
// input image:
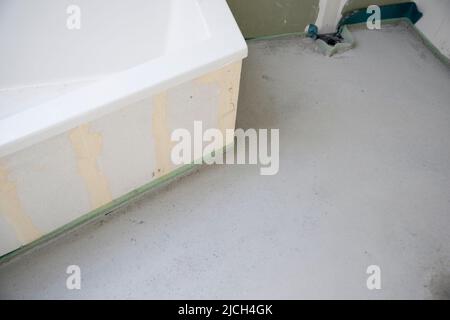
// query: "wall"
[[331, 11], [434, 25], [258, 18]]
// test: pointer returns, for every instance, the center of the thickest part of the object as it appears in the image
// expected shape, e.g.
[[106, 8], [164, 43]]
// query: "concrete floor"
[[364, 179]]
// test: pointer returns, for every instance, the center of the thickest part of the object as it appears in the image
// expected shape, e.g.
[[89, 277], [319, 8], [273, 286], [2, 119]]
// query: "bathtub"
[[86, 112]]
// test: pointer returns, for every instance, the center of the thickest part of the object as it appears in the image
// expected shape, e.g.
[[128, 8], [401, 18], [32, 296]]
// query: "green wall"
[[258, 18]]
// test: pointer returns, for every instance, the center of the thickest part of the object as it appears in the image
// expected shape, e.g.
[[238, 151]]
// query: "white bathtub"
[[86, 114]]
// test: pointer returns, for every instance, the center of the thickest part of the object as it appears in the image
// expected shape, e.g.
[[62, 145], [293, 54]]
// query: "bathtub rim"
[[224, 45]]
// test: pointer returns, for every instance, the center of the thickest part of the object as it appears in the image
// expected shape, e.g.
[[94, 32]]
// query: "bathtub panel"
[[8, 238], [50, 189], [87, 145], [226, 80], [126, 133], [70, 175], [13, 211]]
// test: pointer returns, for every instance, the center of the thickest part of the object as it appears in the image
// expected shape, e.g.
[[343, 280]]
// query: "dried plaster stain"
[[227, 79], [11, 209], [87, 146], [161, 135]]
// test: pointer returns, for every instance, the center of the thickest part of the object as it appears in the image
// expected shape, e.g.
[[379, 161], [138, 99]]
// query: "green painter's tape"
[[406, 10], [276, 36], [108, 208]]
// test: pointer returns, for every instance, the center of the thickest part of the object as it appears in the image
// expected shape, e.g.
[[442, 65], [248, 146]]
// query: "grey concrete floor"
[[364, 179]]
